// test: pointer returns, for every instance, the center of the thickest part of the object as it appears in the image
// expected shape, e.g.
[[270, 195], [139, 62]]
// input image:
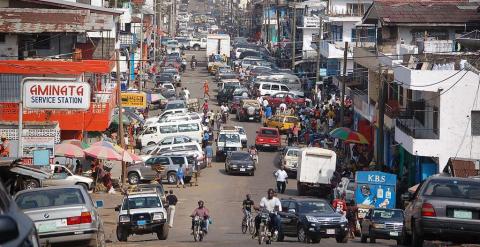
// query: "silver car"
[[63, 214]]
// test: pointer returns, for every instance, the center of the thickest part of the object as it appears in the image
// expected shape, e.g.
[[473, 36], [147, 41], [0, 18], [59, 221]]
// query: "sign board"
[[56, 94], [41, 157], [30, 144], [375, 189], [137, 100]]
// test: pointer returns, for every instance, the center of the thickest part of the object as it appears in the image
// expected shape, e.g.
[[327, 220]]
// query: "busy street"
[[239, 123]]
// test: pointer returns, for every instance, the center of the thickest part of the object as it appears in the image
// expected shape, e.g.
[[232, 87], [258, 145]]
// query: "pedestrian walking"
[[180, 176], [281, 177], [195, 171], [208, 155], [206, 89], [295, 131], [172, 202]]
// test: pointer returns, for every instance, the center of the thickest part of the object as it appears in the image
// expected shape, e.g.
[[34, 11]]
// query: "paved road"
[[223, 195]]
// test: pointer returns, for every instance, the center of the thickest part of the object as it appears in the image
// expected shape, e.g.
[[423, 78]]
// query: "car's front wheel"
[[417, 240], [172, 177], [302, 235], [162, 232], [122, 234], [133, 178], [341, 238]]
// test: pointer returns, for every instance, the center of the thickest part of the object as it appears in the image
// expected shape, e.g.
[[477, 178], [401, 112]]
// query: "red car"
[[288, 98], [268, 138]]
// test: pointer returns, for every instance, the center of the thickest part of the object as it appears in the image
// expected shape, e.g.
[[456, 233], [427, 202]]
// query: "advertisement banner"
[[375, 189], [56, 94], [137, 100], [32, 143]]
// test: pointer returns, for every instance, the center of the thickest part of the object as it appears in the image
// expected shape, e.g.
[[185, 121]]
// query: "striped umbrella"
[[69, 150], [103, 153], [126, 155], [348, 135]]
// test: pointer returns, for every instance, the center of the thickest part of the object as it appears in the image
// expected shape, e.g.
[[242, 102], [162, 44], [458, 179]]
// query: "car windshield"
[[292, 153], [269, 132], [50, 198], [314, 207], [229, 76], [240, 156], [141, 202], [174, 106], [385, 214], [164, 77], [229, 138], [453, 189]]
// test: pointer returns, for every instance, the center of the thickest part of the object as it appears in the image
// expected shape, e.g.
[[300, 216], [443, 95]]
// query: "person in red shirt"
[[203, 213], [340, 205]]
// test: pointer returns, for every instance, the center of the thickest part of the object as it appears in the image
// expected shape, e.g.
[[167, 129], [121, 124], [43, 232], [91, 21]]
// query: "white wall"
[[9, 49], [454, 117], [340, 6], [307, 38]]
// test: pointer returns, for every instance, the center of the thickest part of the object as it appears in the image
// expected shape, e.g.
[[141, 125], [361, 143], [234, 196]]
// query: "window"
[[2, 38], [188, 127], [337, 33], [42, 42], [50, 198], [178, 160], [266, 86], [285, 89], [166, 141], [161, 161], [400, 94], [475, 123], [151, 130], [275, 87], [168, 129]]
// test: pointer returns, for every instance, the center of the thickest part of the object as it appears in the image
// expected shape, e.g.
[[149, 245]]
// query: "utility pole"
[[155, 30], [140, 71], [318, 47], [268, 25], [344, 81], [120, 136], [294, 27], [381, 119]]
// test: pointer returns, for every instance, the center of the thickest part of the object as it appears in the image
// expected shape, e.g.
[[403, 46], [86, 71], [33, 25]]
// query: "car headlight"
[[233, 166], [312, 219], [379, 226], [124, 218], [220, 148], [157, 216], [343, 219]]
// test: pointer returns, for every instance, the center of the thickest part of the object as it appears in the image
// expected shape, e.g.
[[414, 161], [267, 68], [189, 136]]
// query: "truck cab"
[[227, 141]]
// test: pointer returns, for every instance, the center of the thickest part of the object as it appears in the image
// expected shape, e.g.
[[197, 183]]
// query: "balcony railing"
[[410, 122]]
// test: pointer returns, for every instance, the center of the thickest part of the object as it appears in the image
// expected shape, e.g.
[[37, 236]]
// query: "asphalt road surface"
[[223, 195]]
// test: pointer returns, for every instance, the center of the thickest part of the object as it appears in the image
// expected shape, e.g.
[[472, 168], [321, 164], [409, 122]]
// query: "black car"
[[382, 223], [240, 162], [311, 220], [164, 78], [225, 95], [16, 229]]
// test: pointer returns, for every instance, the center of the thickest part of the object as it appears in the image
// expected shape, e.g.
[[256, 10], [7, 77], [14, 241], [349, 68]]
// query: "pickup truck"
[[197, 44]]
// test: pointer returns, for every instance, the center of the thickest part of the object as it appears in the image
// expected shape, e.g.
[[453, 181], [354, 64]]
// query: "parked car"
[[270, 88], [61, 175], [141, 172], [382, 223], [268, 138], [282, 122], [240, 162], [227, 141], [170, 164], [166, 141], [141, 213], [311, 220], [289, 159], [288, 98], [63, 214], [225, 95], [249, 110], [175, 104], [445, 209], [240, 130], [17, 229], [164, 78]]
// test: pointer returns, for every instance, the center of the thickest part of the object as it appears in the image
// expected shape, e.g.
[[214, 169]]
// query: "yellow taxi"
[[282, 122]]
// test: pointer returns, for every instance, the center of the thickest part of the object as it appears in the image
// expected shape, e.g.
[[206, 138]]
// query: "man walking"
[[172, 202], [281, 177], [206, 89], [208, 155]]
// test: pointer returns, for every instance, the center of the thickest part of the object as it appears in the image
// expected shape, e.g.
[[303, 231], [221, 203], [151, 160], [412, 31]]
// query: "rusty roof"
[[463, 168], [29, 20], [408, 12], [75, 5]]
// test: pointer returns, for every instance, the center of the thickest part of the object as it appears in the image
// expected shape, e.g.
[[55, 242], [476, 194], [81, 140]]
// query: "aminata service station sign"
[[56, 94]]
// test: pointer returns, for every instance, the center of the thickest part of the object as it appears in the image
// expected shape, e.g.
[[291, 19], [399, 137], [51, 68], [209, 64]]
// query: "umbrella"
[[413, 188], [77, 143], [125, 119], [348, 135], [126, 155], [103, 153], [69, 150]]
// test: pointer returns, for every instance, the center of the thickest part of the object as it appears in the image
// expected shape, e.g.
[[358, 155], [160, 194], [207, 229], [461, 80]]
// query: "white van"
[[289, 80], [271, 88], [156, 132], [191, 116], [187, 147], [315, 170], [154, 120]]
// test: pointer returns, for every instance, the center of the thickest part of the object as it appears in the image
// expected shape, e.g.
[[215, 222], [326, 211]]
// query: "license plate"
[[250, 118], [395, 234], [330, 231], [141, 222], [267, 145], [242, 169], [50, 226], [462, 214]]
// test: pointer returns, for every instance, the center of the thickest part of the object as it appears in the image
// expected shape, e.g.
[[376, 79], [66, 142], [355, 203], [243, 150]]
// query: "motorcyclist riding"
[[272, 205], [247, 206], [193, 62], [203, 213], [253, 153]]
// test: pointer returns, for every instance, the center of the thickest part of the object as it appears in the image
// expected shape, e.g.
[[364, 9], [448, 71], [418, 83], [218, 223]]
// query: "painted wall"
[[340, 6], [9, 49], [454, 118]]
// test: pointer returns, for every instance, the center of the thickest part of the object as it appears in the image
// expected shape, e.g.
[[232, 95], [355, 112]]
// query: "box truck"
[[218, 45], [315, 170]]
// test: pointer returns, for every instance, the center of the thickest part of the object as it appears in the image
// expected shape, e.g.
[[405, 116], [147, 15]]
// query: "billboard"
[[136, 100], [55, 94], [375, 189], [33, 143]]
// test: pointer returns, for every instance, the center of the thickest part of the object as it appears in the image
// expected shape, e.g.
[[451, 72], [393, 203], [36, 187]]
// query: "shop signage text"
[[138, 100], [56, 95]]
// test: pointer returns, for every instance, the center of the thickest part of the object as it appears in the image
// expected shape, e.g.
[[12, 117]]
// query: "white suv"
[[141, 213], [271, 88]]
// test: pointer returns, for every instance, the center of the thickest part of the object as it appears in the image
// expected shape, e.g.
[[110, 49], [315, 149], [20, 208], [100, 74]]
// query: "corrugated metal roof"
[[29, 20], [75, 5]]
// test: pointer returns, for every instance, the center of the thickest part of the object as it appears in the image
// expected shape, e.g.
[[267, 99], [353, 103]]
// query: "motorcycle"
[[198, 229], [193, 65], [265, 233], [255, 158], [225, 117]]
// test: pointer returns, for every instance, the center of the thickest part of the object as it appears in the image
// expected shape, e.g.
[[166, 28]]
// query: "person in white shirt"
[[272, 205], [281, 177], [283, 107], [187, 94], [265, 103], [260, 100]]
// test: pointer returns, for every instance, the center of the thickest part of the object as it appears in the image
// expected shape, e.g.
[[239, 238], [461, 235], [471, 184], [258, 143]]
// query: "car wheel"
[[162, 232], [417, 241], [300, 189], [302, 235], [151, 143], [315, 240], [341, 239], [172, 178], [85, 186], [122, 234], [133, 178], [280, 237], [197, 48], [371, 236], [31, 184]]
